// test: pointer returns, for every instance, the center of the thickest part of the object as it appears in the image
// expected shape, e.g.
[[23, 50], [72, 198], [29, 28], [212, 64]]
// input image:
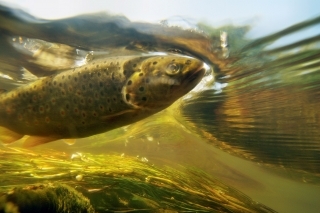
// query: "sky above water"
[[265, 16]]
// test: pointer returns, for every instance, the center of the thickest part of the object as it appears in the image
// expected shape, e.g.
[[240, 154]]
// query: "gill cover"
[[155, 85]]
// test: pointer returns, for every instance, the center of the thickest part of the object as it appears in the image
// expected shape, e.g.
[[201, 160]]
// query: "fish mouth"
[[193, 77]]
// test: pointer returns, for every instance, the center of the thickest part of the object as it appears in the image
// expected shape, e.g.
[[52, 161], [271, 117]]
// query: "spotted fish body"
[[99, 96]]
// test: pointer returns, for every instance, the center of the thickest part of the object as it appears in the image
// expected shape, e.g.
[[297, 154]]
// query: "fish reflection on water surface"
[[266, 110]]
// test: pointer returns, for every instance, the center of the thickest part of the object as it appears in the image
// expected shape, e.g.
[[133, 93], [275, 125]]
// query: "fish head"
[[161, 80]]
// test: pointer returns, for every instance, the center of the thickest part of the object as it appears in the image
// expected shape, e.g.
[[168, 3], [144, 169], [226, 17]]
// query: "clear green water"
[[258, 135]]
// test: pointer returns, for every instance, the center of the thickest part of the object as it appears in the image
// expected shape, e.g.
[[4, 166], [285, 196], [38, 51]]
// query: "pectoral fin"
[[8, 136], [38, 140], [69, 141], [115, 116]]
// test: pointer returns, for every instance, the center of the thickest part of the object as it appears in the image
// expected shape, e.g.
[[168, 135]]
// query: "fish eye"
[[173, 69]]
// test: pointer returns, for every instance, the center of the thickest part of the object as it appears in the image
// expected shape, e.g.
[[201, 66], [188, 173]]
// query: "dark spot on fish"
[[124, 72], [34, 109], [117, 63], [101, 84], [108, 100], [60, 84], [67, 106], [97, 66], [19, 95], [134, 65], [141, 89], [62, 112], [188, 62], [70, 89], [147, 80], [76, 110], [63, 93], [83, 122], [82, 101], [47, 106], [110, 110], [105, 62], [94, 114], [144, 98], [34, 86], [47, 119], [69, 76], [84, 76], [162, 58], [154, 63], [43, 89], [111, 63], [83, 87], [89, 100], [114, 99], [41, 109], [112, 75], [84, 114], [90, 85], [173, 60], [85, 68], [50, 90], [93, 63], [99, 74], [119, 89], [63, 77], [49, 83], [75, 100], [96, 95], [75, 79], [140, 74], [127, 96], [78, 92], [54, 83], [53, 100], [129, 82], [101, 93], [101, 107]]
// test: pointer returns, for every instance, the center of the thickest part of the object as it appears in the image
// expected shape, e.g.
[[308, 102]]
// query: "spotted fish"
[[102, 95]]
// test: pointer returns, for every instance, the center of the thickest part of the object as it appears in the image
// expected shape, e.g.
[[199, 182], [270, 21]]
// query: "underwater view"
[[133, 106]]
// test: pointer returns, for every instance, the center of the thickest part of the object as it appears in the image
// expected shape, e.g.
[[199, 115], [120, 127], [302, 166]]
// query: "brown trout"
[[102, 95]]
